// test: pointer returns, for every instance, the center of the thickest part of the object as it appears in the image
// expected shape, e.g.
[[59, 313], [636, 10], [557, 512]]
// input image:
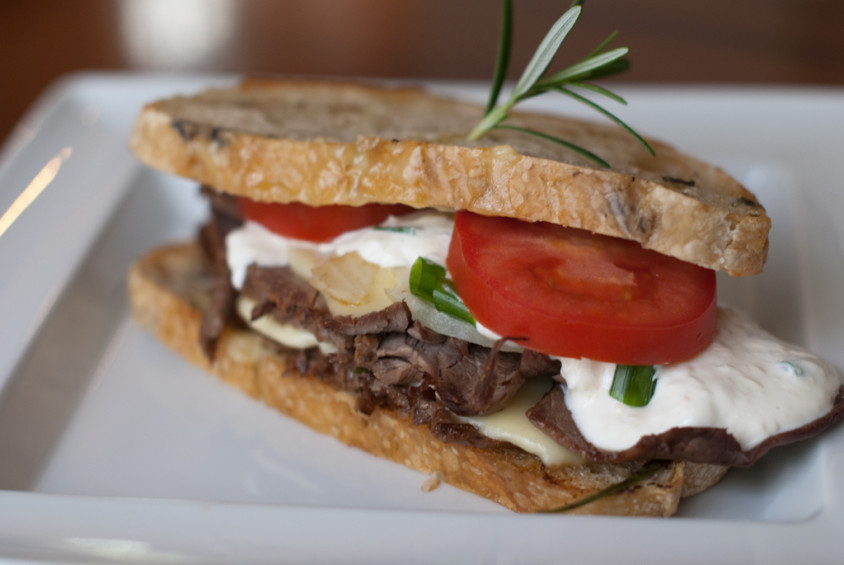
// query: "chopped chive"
[[410, 230], [633, 385]]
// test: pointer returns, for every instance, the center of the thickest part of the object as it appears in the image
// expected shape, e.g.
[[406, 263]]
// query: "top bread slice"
[[321, 142]]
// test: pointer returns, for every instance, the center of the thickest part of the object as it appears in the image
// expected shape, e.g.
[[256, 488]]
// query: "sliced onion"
[[431, 318]]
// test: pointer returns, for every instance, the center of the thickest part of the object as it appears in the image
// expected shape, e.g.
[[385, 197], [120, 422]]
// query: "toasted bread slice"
[[339, 143], [168, 289]]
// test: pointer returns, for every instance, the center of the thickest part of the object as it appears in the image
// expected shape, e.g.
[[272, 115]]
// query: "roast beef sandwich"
[[503, 314]]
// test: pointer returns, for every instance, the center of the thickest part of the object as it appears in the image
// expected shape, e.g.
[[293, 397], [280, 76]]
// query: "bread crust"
[[168, 289], [327, 143]]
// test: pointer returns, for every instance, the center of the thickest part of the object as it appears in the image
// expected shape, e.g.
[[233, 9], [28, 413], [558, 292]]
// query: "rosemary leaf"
[[608, 114], [585, 152], [602, 45], [600, 90], [615, 68], [545, 52], [584, 68], [502, 61]]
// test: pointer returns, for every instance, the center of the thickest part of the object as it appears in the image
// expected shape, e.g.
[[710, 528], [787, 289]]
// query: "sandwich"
[[501, 314]]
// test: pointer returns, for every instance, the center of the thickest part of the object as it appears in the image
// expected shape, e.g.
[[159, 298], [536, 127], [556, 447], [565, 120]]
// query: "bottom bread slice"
[[169, 289]]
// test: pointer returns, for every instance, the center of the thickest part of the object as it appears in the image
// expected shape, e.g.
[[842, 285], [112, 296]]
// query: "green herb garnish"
[[410, 230], [645, 472], [633, 385], [428, 281], [533, 82]]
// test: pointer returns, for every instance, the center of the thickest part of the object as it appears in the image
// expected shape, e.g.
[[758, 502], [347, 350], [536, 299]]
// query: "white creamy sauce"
[[747, 381], [492, 337], [419, 234], [253, 243], [400, 240]]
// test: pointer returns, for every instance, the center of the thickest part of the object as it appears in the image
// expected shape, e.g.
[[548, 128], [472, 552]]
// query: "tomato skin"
[[316, 223], [571, 293]]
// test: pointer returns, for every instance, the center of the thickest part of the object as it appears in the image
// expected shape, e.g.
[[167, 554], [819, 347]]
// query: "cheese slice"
[[511, 424], [287, 335]]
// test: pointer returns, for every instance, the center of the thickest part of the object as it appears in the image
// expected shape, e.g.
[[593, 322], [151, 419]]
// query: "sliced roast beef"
[[222, 219], [218, 313], [401, 360], [278, 291], [470, 379], [393, 318], [473, 380]]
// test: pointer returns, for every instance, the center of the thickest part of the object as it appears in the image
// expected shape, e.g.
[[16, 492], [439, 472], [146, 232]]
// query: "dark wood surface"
[[671, 41]]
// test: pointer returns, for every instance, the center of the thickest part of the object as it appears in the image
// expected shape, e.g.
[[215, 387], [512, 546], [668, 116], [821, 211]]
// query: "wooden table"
[[718, 41]]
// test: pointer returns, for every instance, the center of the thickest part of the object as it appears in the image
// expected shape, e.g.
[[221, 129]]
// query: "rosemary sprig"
[[598, 64]]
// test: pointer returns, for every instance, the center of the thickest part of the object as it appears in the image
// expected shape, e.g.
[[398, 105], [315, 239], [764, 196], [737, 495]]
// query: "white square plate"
[[112, 448]]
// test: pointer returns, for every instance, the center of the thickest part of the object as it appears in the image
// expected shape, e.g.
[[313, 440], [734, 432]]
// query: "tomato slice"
[[572, 293], [316, 223]]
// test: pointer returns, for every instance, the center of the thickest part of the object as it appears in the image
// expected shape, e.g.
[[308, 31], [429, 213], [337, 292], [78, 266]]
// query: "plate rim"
[[744, 537]]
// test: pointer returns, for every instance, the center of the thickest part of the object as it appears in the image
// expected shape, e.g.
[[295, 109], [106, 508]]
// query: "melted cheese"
[[512, 425], [287, 335]]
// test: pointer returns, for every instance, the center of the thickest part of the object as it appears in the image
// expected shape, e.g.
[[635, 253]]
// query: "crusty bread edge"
[[166, 293], [491, 180]]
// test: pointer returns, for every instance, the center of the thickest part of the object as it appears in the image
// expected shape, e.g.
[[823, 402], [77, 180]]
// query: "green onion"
[[428, 281], [633, 385]]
